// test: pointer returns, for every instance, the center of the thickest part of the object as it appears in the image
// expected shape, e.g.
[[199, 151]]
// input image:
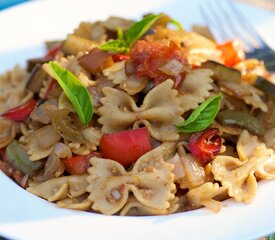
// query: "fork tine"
[[213, 18], [247, 25], [210, 22], [234, 29]]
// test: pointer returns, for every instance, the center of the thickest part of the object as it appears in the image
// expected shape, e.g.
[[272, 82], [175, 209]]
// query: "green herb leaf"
[[115, 46], [120, 33], [75, 91], [271, 237], [176, 23], [138, 29], [124, 42], [202, 116]]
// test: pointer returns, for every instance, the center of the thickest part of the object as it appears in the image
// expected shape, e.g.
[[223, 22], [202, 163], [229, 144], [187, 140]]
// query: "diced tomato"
[[78, 164], [127, 146], [150, 57], [20, 113], [205, 145], [120, 57], [232, 53], [53, 51]]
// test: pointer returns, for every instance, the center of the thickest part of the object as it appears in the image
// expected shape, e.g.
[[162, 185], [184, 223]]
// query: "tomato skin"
[[125, 147], [205, 145], [149, 57], [78, 164], [120, 57], [53, 51], [21, 112], [232, 53]]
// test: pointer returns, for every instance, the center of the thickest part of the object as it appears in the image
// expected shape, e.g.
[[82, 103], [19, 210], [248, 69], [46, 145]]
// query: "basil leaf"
[[115, 46], [176, 23], [75, 91], [124, 42], [120, 33], [202, 116], [138, 29]]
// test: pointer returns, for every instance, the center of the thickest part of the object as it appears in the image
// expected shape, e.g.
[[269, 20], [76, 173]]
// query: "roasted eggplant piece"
[[35, 81], [241, 120], [222, 72], [31, 63], [266, 86], [74, 44]]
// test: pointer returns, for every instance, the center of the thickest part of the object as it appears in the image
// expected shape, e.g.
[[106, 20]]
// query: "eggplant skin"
[[242, 120], [266, 86], [222, 72]]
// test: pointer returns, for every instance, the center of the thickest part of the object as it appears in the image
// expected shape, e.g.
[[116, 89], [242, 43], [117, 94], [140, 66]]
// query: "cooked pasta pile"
[[138, 118]]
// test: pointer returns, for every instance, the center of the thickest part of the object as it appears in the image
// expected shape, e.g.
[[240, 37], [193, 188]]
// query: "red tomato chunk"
[[150, 57], [205, 145], [127, 146], [232, 53], [78, 164]]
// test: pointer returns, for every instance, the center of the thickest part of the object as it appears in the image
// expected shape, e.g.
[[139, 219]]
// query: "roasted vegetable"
[[266, 86], [96, 60], [78, 164], [19, 158], [31, 63], [127, 146], [21, 112], [205, 145], [241, 119], [74, 44], [35, 81], [232, 53], [222, 72]]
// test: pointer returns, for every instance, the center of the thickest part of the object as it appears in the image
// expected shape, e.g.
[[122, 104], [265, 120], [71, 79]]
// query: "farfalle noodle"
[[239, 176], [150, 181], [135, 208], [195, 88], [249, 94], [159, 112], [204, 196], [77, 203], [59, 188], [7, 132], [130, 84]]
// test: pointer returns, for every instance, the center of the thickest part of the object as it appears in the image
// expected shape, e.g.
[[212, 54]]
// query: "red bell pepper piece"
[[21, 112], [232, 53], [127, 146], [78, 164], [53, 51], [120, 57], [205, 145]]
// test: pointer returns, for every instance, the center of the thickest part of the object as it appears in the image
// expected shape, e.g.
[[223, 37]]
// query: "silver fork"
[[227, 22]]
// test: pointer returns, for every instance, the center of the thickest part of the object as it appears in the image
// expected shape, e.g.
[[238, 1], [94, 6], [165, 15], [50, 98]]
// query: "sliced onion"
[[178, 167], [46, 136], [54, 167], [172, 68], [194, 171]]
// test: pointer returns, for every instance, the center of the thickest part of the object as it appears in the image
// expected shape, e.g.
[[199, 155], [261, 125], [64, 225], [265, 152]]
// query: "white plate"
[[25, 216]]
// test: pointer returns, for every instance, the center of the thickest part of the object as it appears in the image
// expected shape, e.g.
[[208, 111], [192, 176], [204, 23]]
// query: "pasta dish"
[[139, 118]]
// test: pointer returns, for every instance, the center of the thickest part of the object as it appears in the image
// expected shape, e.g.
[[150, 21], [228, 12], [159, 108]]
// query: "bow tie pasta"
[[136, 118]]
